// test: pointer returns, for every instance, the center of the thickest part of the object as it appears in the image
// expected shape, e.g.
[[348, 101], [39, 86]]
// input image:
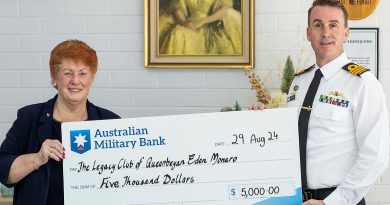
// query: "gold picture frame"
[[181, 36]]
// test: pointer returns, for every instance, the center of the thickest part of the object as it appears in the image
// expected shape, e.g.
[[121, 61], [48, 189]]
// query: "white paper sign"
[[246, 157], [362, 48]]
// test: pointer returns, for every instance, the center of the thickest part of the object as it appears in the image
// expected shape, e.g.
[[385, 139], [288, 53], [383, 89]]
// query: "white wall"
[[29, 29]]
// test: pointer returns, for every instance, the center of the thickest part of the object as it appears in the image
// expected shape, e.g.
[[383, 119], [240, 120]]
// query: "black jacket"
[[31, 128]]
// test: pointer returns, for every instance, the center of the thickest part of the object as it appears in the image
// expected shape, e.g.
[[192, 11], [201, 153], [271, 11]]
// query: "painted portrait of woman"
[[200, 27]]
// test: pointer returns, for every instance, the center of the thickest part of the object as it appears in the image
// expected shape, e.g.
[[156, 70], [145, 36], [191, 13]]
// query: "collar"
[[330, 69], [48, 110], [45, 118]]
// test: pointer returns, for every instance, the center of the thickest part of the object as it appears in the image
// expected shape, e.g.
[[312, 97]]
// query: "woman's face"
[[73, 80]]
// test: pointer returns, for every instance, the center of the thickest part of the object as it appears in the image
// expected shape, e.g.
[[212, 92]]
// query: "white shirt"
[[347, 144]]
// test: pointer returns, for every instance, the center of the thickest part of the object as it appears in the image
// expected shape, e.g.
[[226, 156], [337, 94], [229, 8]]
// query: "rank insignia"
[[304, 70], [355, 69]]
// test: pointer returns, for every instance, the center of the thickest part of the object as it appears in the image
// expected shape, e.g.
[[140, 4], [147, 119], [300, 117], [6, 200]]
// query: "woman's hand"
[[196, 25], [50, 149], [27, 163]]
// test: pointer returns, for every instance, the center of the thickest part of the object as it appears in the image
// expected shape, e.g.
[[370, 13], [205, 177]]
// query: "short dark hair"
[[330, 3]]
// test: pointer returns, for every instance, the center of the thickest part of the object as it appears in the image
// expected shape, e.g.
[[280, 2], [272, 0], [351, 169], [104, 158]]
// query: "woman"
[[201, 27], [31, 154]]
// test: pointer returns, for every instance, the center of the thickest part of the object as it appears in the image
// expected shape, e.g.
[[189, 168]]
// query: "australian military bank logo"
[[80, 141]]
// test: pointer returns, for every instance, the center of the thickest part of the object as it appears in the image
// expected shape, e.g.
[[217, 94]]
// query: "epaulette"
[[355, 69], [304, 70]]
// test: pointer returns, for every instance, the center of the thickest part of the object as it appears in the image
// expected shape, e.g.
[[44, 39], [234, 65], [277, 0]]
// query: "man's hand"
[[256, 107], [314, 202]]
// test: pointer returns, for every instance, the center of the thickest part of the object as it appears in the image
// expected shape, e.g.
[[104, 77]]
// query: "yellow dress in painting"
[[200, 27]]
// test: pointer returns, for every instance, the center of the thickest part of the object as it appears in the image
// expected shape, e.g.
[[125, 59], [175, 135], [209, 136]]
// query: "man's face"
[[327, 32]]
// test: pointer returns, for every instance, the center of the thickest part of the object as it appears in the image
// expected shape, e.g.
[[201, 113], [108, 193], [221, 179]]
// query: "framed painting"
[[199, 34], [362, 48]]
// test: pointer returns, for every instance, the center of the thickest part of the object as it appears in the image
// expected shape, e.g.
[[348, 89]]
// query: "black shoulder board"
[[355, 69], [305, 70]]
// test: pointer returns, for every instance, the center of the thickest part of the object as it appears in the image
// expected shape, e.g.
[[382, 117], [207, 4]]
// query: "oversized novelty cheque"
[[225, 158]]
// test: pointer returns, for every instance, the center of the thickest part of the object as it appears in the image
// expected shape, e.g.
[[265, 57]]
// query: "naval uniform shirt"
[[348, 142]]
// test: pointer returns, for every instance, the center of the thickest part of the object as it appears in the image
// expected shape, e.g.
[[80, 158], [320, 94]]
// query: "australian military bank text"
[[111, 139]]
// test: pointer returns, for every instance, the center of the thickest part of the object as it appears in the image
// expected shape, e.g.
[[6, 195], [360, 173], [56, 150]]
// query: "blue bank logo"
[[80, 141]]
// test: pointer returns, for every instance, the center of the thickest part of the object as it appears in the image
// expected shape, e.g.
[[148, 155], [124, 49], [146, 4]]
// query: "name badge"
[[291, 98]]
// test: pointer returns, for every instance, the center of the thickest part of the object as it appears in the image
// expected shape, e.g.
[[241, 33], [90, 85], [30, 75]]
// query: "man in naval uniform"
[[343, 119], [346, 125]]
